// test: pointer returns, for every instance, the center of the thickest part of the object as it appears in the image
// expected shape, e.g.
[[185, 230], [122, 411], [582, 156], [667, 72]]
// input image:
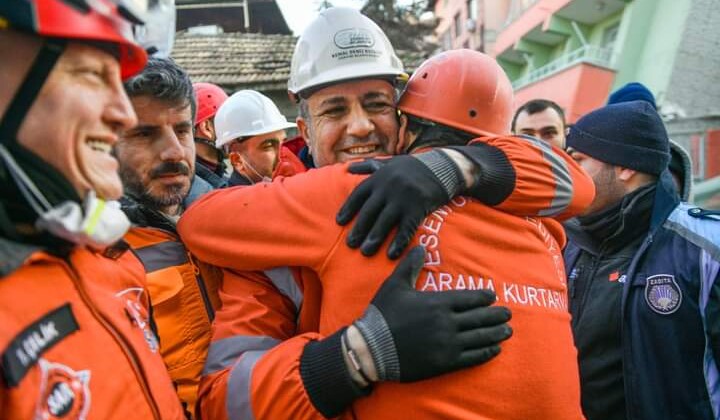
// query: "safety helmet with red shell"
[[208, 97], [463, 89], [103, 21]]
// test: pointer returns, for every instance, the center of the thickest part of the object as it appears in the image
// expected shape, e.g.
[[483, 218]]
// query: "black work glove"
[[402, 191], [416, 335]]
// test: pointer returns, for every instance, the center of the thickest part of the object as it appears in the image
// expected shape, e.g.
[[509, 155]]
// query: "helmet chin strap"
[[97, 223]]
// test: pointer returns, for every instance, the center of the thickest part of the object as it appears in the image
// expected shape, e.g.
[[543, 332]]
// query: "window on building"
[[610, 35], [472, 8], [458, 25]]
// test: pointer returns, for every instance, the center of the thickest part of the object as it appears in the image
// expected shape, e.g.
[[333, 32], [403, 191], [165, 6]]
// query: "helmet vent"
[[472, 113]]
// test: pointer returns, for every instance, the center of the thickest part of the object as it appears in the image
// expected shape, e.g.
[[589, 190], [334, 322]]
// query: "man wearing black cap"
[[643, 276]]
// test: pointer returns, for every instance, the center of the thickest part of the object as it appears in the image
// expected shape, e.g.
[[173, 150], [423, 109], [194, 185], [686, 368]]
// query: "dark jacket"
[[214, 178], [669, 312], [237, 179]]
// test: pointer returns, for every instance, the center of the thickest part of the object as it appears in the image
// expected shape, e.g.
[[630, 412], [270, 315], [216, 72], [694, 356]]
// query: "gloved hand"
[[400, 192], [416, 335]]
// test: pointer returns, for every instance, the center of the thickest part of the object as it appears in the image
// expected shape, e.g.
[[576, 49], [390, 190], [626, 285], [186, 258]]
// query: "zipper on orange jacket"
[[203, 288], [127, 349]]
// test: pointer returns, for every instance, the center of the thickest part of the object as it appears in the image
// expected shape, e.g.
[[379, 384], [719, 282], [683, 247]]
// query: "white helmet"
[[341, 44], [247, 113]]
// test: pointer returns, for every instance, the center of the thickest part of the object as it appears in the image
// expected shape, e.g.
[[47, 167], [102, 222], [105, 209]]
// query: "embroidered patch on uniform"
[[64, 392], [26, 348], [663, 294], [138, 315]]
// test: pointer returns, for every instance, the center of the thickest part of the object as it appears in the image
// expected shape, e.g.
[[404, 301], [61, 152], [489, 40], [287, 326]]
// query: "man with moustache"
[[157, 164]]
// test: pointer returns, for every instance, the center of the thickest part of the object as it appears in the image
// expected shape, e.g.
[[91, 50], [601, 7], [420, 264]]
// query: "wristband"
[[354, 360]]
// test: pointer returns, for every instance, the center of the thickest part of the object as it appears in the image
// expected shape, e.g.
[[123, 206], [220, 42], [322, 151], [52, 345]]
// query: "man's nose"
[[172, 149], [360, 124]]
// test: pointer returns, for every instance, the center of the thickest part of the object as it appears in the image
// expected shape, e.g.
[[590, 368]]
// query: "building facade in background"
[[575, 52]]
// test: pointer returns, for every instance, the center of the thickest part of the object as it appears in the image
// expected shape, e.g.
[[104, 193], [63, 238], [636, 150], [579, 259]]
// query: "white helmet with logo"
[[341, 44], [247, 113]]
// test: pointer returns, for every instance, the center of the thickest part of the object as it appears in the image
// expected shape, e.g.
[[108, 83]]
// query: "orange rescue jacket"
[[183, 305], [76, 341], [257, 318]]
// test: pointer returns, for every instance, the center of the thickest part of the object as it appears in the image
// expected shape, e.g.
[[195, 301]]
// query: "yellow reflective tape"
[[95, 217]]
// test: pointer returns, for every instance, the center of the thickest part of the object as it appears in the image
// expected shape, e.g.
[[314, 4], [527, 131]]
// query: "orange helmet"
[[208, 97], [463, 89], [85, 20]]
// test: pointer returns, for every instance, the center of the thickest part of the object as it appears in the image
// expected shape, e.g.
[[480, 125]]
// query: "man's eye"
[[378, 106], [336, 111]]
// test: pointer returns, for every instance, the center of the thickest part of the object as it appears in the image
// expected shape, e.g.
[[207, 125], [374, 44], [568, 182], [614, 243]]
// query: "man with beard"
[[251, 129], [643, 276], [157, 162]]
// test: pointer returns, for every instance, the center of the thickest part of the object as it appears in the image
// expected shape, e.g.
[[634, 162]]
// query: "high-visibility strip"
[[698, 231], [238, 401], [283, 279], [563, 181], [162, 255], [709, 269], [223, 353]]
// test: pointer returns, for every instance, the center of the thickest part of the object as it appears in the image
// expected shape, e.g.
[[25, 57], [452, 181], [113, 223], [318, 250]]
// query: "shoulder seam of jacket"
[[694, 230]]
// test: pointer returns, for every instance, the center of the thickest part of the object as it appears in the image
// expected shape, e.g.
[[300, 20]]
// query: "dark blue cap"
[[627, 134], [632, 92]]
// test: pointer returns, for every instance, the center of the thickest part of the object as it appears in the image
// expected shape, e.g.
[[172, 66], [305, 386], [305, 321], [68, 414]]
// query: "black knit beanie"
[[627, 134]]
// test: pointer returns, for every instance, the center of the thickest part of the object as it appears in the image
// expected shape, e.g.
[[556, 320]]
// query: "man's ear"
[[237, 162], [210, 127], [303, 129], [403, 135], [624, 174]]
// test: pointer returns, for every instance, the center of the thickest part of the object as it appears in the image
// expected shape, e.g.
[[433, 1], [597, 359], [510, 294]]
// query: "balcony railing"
[[591, 54]]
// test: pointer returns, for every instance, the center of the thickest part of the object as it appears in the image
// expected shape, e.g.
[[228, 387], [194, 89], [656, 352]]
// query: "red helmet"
[[463, 89], [83, 20], [209, 97]]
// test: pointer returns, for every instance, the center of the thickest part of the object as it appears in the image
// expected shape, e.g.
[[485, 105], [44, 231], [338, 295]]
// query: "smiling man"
[[74, 337], [157, 166]]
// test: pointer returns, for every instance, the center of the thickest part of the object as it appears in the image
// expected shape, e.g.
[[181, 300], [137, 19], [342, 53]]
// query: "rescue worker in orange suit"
[[378, 339], [209, 160], [251, 130], [75, 339], [157, 159]]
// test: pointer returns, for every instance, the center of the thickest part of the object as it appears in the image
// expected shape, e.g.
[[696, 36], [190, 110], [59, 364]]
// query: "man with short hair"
[[251, 129], [74, 336], [264, 363], [543, 119], [209, 160], [157, 161], [643, 271]]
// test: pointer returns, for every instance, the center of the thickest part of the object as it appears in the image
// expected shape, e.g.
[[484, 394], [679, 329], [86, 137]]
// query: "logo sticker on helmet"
[[354, 38], [663, 294]]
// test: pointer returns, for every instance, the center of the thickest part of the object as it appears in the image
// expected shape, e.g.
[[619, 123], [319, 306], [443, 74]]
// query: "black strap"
[[25, 96]]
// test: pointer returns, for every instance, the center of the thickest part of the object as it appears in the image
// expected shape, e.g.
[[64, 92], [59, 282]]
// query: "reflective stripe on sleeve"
[[283, 279], [563, 181], [238, 400], [223, 353]]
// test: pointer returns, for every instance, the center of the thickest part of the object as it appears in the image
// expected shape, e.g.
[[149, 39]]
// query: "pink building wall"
[[578, 90], [538, 13]]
